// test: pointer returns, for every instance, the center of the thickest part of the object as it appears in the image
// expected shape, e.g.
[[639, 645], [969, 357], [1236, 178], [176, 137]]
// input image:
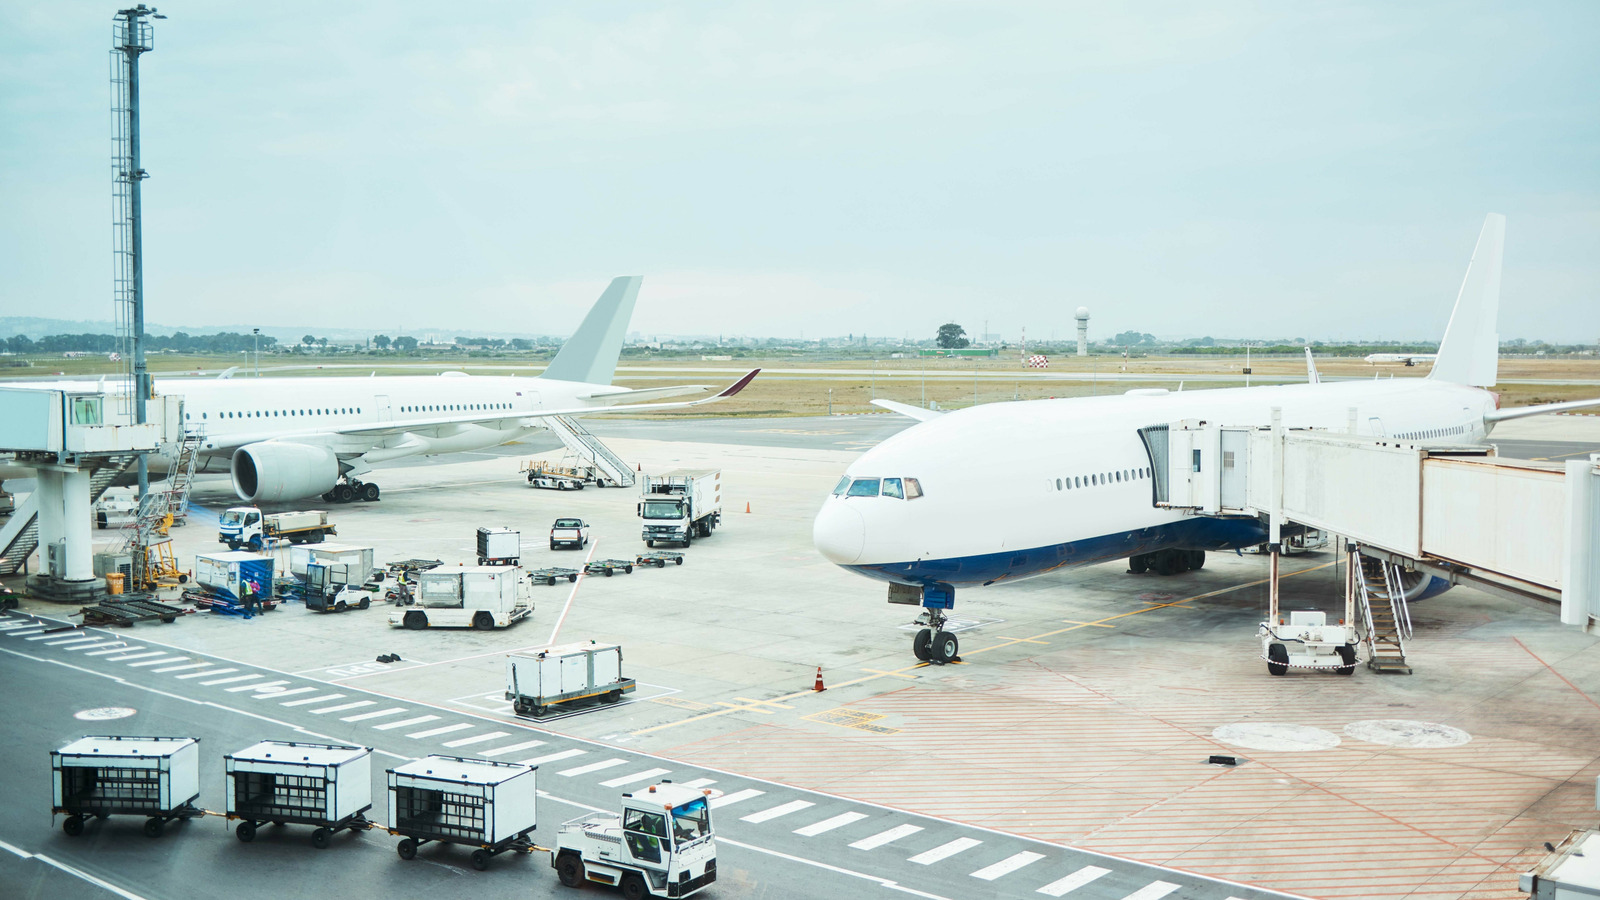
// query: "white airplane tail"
[[1470, 351], [590, 355]]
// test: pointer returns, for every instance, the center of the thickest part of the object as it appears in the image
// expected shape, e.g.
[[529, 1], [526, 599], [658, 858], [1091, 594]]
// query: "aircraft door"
[[385, 412], [1376, 425]]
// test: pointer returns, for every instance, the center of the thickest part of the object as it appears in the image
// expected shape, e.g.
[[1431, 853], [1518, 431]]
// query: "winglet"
[[1311, 369], [228, 374], [1470, 351], [739, 385], [904, 409], [590, 355]]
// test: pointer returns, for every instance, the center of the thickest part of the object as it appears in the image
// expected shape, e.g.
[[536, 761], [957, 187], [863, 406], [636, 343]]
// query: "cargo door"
[[608, 666], [549, 676], [480, 591], [574, 673]]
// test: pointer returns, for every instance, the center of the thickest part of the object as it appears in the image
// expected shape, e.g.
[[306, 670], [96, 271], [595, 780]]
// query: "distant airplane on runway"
[[1011, 490], [1409, 359]]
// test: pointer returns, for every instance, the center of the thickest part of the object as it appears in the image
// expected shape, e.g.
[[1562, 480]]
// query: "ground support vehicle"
[[1317, 645], [226, 574], [410, 567], [127, 610], [358, 560], [552, 477], [552, 574], [662, 845], [116, 507], [474, 802], [222, 601], [156, 777], [499, 547], [289, 783], [659, 558], [243, 526], [609, 567], [681, 505], [481, 597], [328, 589], [569, 532], [565, 674]]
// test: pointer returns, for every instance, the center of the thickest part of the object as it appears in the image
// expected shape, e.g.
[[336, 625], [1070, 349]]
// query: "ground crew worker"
[[247, 596]]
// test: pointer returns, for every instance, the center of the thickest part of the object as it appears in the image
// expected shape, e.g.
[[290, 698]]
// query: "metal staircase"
[[580, 442], [159, 510], [1385, 614], [20, 536]]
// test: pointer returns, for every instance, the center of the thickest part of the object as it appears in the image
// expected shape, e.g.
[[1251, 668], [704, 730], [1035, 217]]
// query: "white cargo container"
[[568, 673], [357, 560], [477, 802], [680, 505], [499, 547], [326, 785], [227, 571], [481, 597], [158, 777]]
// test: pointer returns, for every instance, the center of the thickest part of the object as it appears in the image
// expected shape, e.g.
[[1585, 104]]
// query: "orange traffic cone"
[[819, 686], [747, 506], [638, 467]]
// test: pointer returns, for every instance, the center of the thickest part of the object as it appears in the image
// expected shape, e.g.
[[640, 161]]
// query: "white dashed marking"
[[1008, 865], [945, 851], [637, 776], [885, 837], [477, 739], [511, 749], [767, 815], [1076, 880], [838, 821], [406, 723], [362, 717], [591, 767]]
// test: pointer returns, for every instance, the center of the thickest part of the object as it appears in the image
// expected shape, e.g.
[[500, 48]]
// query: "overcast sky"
[[1232, 169]]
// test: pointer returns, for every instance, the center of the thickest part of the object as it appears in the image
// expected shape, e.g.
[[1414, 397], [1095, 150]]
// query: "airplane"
[[928, 511], [1409, 359], [285, 439]]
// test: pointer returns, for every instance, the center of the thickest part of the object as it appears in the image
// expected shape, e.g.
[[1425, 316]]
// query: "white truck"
[[662, 844], [246, 526], [481, 597], [680, 505], [116, 507]]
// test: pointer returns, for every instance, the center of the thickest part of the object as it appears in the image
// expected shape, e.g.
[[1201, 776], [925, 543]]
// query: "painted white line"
[[24, 633], [91, 645], [85, 639], [699, 783], [406, 723], [127, 656], [123, 649], [279, 695], [1077, 880], [1008, 865], [1152, 891], [265, 686], [340, 708], [202, 674], [885, 837], [838, 821], [231, 680], [592, 767], [637, 776], [79, 873], [323, 698], [158, 662], [27, 623], [477, 739], [199, 665], [46, 636], [511, 749], [419, 735], [736, 797], [362, 717], [945, 851], [565, 754], [767, 815]]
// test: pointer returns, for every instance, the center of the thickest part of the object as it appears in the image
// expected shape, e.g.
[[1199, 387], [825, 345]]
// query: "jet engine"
[[271, 471], [1421, 586]]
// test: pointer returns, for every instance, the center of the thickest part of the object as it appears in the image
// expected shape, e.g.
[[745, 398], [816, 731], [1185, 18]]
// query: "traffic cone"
[[638, 467], [819, 686], [747, 506]]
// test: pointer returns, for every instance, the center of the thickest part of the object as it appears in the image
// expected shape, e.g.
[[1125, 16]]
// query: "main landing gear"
[[933, 644], [350, 490], [1167, 562]]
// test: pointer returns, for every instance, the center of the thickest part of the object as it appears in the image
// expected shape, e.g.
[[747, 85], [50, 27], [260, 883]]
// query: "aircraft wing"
[[1311, 369], [654, 393], [915, 412], [1519, 412]]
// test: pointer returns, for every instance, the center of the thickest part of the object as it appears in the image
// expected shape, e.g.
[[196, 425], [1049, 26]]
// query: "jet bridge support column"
[[66, 541], [1580, 583]]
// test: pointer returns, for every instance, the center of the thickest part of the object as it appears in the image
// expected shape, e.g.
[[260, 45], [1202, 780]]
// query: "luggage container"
[[358, 560], [283, 782], [499, 547], [481, 597], [569, 673], [100, 776], [474, 802]]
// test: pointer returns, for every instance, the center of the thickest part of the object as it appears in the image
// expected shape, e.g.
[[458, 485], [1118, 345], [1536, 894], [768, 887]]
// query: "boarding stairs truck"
[[681, 505], [481, 597], [662, 844], [243, 526]]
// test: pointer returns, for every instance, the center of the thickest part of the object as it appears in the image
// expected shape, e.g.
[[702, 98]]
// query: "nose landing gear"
[[933, 644]]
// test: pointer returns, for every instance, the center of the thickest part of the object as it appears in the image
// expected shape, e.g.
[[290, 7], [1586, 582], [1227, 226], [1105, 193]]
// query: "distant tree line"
[[177, 342]]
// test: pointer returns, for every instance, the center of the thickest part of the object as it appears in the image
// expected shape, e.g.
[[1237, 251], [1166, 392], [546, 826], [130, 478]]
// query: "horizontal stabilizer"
[[1521, 412], [915, 412]]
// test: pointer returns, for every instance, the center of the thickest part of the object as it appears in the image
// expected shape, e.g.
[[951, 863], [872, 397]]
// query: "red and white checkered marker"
[[1038, 362]]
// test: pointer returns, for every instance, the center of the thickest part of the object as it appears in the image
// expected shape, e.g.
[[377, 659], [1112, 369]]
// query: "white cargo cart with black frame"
[[474, 802], [288, 783], [155, 777], [565, 674]]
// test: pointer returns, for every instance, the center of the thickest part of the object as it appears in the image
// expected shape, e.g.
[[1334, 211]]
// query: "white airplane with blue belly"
[[928, 509]]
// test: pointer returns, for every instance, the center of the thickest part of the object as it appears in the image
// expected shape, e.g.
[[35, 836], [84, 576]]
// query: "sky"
[[875, 167]]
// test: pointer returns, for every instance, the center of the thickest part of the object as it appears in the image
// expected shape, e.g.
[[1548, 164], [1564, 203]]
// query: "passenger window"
[[1058, 484], [891, 488], [913, 489], [838, 489], [863, 487]]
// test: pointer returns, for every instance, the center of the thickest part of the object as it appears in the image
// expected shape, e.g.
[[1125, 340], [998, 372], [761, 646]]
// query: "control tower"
[[1083, 331]]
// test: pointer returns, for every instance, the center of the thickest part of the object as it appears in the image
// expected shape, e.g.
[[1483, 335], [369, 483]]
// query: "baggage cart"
[[290, 783], [659, 558], [609, 567], [499, 547], [129, 610], [473, 802], [100, 776], [552, 575], [565, 674], [410, 567]]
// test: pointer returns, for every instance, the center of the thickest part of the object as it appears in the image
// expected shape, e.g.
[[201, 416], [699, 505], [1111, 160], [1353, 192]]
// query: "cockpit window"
[[913, 489], [863, 487], [891, 488], [838, 490]]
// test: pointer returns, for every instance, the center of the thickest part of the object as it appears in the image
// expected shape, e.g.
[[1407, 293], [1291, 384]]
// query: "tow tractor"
[[1315, 643], [662, 845]]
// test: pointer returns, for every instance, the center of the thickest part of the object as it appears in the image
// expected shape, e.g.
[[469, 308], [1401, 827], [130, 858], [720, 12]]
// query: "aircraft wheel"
[[344, 493], [1197, 560], [922, 644], [945, 647], [1278, 659], [1138, 564], [369, 492]]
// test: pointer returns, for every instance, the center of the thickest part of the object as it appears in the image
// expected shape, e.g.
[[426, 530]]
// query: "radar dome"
[[1083, 312]]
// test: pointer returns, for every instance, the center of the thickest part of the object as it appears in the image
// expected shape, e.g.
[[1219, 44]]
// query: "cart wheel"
[[480, 859], [183, 578], [407, 849], [278, 823], [73, 826], [633, 887], [608, 573], [365, 602], [246, 831], [153, 827], [572, 578], [102, 816], [627, 570], [319, 839], [1347, 656], [539, 710], [483, 622], [680, 560], [569, 868], [611, 697], [1278, 659]]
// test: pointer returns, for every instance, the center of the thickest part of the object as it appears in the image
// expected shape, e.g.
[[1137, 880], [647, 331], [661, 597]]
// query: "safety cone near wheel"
[[819, 686]]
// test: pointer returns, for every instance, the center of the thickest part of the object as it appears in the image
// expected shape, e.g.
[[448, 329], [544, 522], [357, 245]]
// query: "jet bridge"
[[1515, 527]]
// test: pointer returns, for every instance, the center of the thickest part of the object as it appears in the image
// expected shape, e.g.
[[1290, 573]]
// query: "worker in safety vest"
[[248, 599]]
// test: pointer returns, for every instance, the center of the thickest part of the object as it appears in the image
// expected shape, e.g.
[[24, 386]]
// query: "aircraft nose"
[[839, 533]]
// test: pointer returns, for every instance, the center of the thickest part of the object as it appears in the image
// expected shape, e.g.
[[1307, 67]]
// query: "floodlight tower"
[[1083, 331], [131, 35]]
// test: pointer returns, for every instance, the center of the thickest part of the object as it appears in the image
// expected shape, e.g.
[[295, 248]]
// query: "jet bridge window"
[[863, 487]]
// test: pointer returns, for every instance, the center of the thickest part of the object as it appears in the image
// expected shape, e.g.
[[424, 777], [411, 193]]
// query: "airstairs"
[[580, 442], [1385, 614], [159, 510], [20, 536]]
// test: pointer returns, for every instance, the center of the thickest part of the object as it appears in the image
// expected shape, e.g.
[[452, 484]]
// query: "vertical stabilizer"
[[1470, 352], [590, 355]]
